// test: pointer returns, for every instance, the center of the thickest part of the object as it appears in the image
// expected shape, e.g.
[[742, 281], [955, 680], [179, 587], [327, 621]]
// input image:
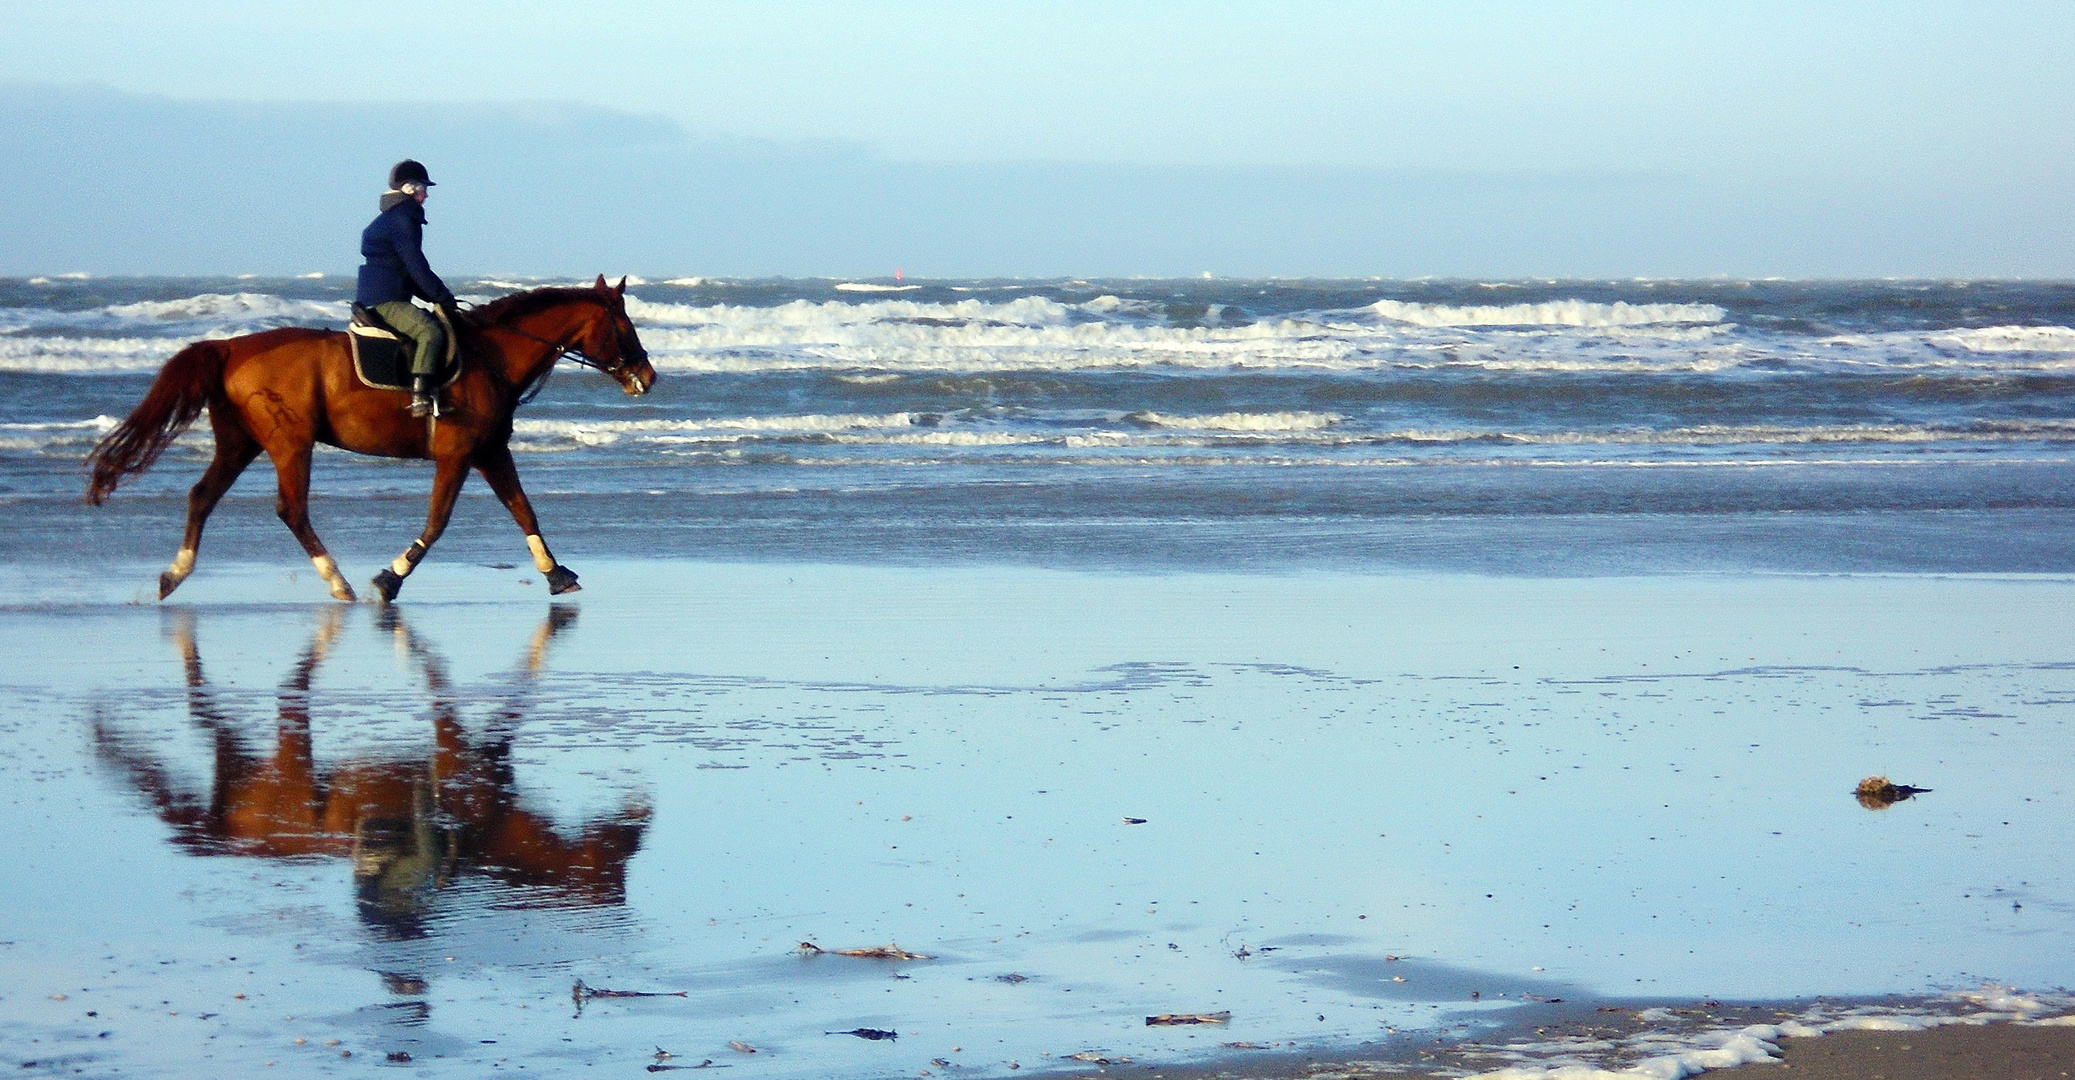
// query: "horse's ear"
[[621, 288], [601, 286]]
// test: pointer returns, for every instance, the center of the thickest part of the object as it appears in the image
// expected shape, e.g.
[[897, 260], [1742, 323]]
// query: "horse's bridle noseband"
[[567, 352]]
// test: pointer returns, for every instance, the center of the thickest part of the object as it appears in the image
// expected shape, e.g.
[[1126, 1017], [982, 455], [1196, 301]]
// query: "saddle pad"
[[382, 359]]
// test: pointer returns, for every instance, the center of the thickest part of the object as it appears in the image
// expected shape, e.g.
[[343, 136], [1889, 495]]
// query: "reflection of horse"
[[284, 391], [409, 825]]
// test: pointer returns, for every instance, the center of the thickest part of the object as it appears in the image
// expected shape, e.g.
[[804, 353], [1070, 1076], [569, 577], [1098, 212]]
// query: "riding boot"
[[421, 396]]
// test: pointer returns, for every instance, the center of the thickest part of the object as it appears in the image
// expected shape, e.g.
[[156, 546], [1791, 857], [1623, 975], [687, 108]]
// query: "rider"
[[396, 271]]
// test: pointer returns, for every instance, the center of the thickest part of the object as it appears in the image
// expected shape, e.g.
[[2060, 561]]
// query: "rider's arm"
[[409, 248]]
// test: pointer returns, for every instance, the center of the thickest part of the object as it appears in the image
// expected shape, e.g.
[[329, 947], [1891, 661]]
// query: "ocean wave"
[[230, 307], [1314, 431], [881, 338], [606, 432], [1552, 313], [2002, 339], [1145, 430], [76, 437], [799, 315], [85, 356], [209, 315], [1235, 421]]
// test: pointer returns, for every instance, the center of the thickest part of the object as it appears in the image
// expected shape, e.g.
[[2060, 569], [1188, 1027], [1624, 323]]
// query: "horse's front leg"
[[446, 487], [495, 463]]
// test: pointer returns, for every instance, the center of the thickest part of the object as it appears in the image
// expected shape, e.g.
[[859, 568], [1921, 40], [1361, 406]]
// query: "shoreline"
[[1895, 1038]]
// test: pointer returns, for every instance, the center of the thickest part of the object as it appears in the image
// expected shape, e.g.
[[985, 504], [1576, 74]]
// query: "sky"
[[976, 139]]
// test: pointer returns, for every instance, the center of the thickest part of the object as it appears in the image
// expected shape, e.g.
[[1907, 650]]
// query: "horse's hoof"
[[386, 583], [167, 583], [344, 592], [561, 580]]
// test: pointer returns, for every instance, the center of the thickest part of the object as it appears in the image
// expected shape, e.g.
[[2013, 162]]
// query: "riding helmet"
[[408, 171]]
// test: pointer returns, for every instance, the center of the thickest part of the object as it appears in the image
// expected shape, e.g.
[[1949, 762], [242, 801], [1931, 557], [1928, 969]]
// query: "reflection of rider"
[[396, 271]]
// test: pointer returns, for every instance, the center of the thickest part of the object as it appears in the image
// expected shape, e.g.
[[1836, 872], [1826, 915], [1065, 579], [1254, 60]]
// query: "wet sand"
[[2000, 1051], [1360, 814]]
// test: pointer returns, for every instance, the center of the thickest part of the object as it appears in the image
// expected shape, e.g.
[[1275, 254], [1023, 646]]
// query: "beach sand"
[[2000, 1051], [1996, 1052], [1356, 812]]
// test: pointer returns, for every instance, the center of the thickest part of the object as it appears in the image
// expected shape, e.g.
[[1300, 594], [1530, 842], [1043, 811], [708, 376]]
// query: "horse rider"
[[396, 271]]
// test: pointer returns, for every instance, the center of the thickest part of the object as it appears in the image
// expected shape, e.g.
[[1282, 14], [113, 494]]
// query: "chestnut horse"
[[284, 391]]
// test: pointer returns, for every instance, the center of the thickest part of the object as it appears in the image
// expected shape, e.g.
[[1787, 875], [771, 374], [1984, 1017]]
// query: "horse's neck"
[[549, 333]]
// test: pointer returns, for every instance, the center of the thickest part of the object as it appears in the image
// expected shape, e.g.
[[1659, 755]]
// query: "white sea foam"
[[85, 356], [606, 432], [55, 435], [241, 307], [1552, 313], [1672, 1055], [1270, 432], [884, 336], [866, 286], [204, 316], [2001, 339], [1233, 421], [810, 315]]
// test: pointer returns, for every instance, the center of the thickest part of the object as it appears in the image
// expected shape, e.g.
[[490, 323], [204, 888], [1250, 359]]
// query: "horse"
[[284, 391]]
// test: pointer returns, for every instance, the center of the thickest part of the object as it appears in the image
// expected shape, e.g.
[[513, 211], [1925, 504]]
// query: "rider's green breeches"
[[415, 323]]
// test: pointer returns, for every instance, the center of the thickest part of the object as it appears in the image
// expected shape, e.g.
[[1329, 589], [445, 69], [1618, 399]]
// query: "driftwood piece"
[[581, 993], [876, 952]]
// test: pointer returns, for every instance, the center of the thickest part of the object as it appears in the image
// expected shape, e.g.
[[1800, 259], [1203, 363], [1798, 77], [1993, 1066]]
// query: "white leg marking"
[[542, 561], [329, 571], [183, 564], [401, 567]]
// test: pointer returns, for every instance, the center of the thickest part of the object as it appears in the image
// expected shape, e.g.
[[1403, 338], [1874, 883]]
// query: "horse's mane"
[[520, 304]]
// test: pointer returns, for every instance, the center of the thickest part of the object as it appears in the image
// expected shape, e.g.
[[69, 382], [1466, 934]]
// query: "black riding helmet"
[[408, 171]]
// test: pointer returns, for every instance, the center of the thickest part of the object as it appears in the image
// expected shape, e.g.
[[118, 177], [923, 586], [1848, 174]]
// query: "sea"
[[1518, 427]]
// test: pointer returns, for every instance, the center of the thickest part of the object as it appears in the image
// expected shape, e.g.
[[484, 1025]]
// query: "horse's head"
[[611, 342]]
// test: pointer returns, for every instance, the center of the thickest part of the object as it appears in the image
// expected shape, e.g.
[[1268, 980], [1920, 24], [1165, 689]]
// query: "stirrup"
[[421, 396]]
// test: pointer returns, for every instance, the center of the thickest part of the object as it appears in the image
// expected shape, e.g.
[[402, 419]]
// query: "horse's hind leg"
[[447, 478], [234, 450], [292, 470], [495, 463]]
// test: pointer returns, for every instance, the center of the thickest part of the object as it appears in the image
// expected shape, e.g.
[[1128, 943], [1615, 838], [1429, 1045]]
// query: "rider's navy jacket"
[[396, 268]]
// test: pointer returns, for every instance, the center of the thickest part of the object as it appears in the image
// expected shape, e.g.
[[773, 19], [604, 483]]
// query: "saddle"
[[382, 357]]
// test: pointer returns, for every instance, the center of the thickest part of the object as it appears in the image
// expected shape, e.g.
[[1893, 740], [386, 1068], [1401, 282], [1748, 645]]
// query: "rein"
[[562, 352]]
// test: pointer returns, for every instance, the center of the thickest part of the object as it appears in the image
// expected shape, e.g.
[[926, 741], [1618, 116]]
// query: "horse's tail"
[[183, 387]]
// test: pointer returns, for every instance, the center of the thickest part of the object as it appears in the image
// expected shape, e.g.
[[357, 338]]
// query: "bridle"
[[563, 352]]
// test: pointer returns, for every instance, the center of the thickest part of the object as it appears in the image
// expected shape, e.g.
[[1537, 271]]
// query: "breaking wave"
[[1553, 313]]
